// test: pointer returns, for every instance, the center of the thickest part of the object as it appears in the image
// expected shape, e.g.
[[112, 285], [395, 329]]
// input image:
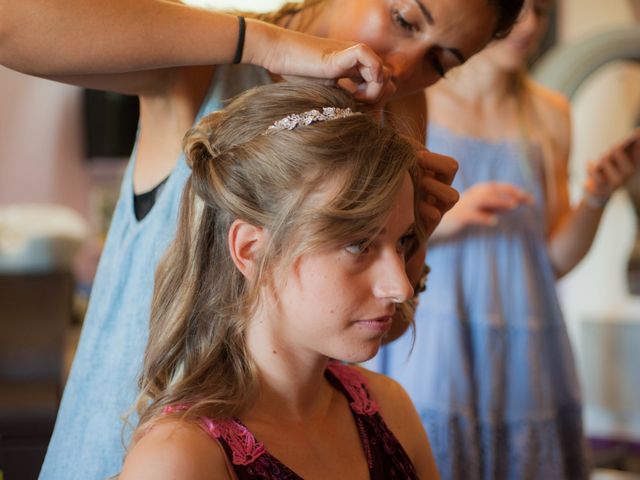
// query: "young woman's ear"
[[245, 242]]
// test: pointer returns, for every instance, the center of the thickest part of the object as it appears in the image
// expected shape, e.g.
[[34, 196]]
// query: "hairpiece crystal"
[[312, 116]]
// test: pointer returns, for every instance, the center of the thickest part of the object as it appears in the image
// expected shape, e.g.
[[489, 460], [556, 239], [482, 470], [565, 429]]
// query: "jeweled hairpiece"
[[312, 116]]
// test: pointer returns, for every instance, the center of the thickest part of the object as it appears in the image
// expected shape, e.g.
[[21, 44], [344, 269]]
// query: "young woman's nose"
[[392, 282]]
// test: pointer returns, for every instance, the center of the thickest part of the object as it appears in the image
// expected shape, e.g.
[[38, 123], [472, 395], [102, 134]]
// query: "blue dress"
[[89, 438], [491, 371]]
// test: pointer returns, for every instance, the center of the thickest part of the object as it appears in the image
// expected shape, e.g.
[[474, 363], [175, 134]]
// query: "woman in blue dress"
[[491, 371]]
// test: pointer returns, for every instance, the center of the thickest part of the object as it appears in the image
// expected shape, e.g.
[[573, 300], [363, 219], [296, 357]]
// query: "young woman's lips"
[[380, 324]]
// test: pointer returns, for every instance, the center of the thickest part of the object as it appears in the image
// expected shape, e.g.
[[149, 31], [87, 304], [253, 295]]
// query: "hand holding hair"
[[435, 196], [353, 66]]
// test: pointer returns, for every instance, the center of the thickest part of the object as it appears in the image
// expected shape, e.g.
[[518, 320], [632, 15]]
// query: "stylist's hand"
[[480, 205], [435, 194], [354, 67]]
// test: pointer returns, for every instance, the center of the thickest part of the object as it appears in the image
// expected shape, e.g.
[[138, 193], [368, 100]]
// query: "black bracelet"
[[240, 46]]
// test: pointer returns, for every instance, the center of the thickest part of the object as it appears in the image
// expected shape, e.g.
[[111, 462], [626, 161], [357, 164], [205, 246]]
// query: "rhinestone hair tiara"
[[312, 116]]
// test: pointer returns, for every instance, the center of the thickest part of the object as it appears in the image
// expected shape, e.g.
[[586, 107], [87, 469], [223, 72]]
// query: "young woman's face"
[[512, 53], [339, 302], [420, 40]]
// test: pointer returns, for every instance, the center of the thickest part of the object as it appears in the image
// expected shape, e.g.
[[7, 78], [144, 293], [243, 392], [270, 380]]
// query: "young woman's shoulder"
[[388, 393], [174, 448], [395, 405], [553, 109], [402, 418]]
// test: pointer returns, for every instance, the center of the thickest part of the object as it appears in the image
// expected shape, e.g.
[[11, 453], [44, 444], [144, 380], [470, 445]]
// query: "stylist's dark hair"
[[508, 12]]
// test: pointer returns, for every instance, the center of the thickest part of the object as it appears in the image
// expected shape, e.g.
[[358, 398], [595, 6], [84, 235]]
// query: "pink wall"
[[41, 151]]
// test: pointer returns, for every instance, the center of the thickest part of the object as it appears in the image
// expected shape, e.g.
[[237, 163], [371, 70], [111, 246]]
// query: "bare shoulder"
[[553, 109], [388, 393], [174, 448], [403, 420], [395, 406]]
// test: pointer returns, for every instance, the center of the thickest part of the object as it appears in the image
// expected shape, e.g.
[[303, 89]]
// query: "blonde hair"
[[196, 353], [288, 9]]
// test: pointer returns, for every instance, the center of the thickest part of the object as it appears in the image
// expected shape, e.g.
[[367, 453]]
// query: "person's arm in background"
[[91, 43], [573, 229]]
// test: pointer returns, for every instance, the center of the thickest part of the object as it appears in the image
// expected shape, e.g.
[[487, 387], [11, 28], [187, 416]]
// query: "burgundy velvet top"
[[385, 456]]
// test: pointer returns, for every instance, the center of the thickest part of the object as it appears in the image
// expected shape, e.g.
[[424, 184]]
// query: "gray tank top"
[[87, 442]]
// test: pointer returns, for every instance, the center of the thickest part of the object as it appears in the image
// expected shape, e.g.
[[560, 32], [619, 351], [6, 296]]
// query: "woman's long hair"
[[196, 355]]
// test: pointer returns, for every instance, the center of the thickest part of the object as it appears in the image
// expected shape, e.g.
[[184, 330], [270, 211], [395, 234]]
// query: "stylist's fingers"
[[437, 193], [444, 168], [371, 93], [361, 59], [355, 67], [362, 73], [429, 215]]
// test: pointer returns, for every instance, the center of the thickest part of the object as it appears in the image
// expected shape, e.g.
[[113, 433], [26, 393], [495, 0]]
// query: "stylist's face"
[[420, 40]]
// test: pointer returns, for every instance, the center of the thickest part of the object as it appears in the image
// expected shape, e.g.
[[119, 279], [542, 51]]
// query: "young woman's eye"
[[358, 248], [400, 20]]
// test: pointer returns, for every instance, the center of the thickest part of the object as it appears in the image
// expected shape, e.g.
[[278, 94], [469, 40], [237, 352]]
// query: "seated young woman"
[[287, 267]]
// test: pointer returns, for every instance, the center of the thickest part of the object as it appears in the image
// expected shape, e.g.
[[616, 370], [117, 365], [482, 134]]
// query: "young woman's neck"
[[292, 386], [482, 83]]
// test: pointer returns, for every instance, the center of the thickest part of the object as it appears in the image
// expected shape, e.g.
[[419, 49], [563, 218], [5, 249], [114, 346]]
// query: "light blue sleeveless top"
[[491, 371], [88, 438]]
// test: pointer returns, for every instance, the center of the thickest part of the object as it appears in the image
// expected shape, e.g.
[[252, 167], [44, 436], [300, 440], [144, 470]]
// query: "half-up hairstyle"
[[196, 355]]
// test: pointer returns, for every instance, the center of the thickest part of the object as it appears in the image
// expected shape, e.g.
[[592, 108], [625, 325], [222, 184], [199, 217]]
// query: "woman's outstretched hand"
[[612, 170], [480, 205], [354, 67]]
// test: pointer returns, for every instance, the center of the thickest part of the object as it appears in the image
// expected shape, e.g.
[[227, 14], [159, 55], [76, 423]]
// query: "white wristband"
[[594, 201]]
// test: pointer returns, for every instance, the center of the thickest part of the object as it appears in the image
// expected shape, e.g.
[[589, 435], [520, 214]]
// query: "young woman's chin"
[[360, 353]]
